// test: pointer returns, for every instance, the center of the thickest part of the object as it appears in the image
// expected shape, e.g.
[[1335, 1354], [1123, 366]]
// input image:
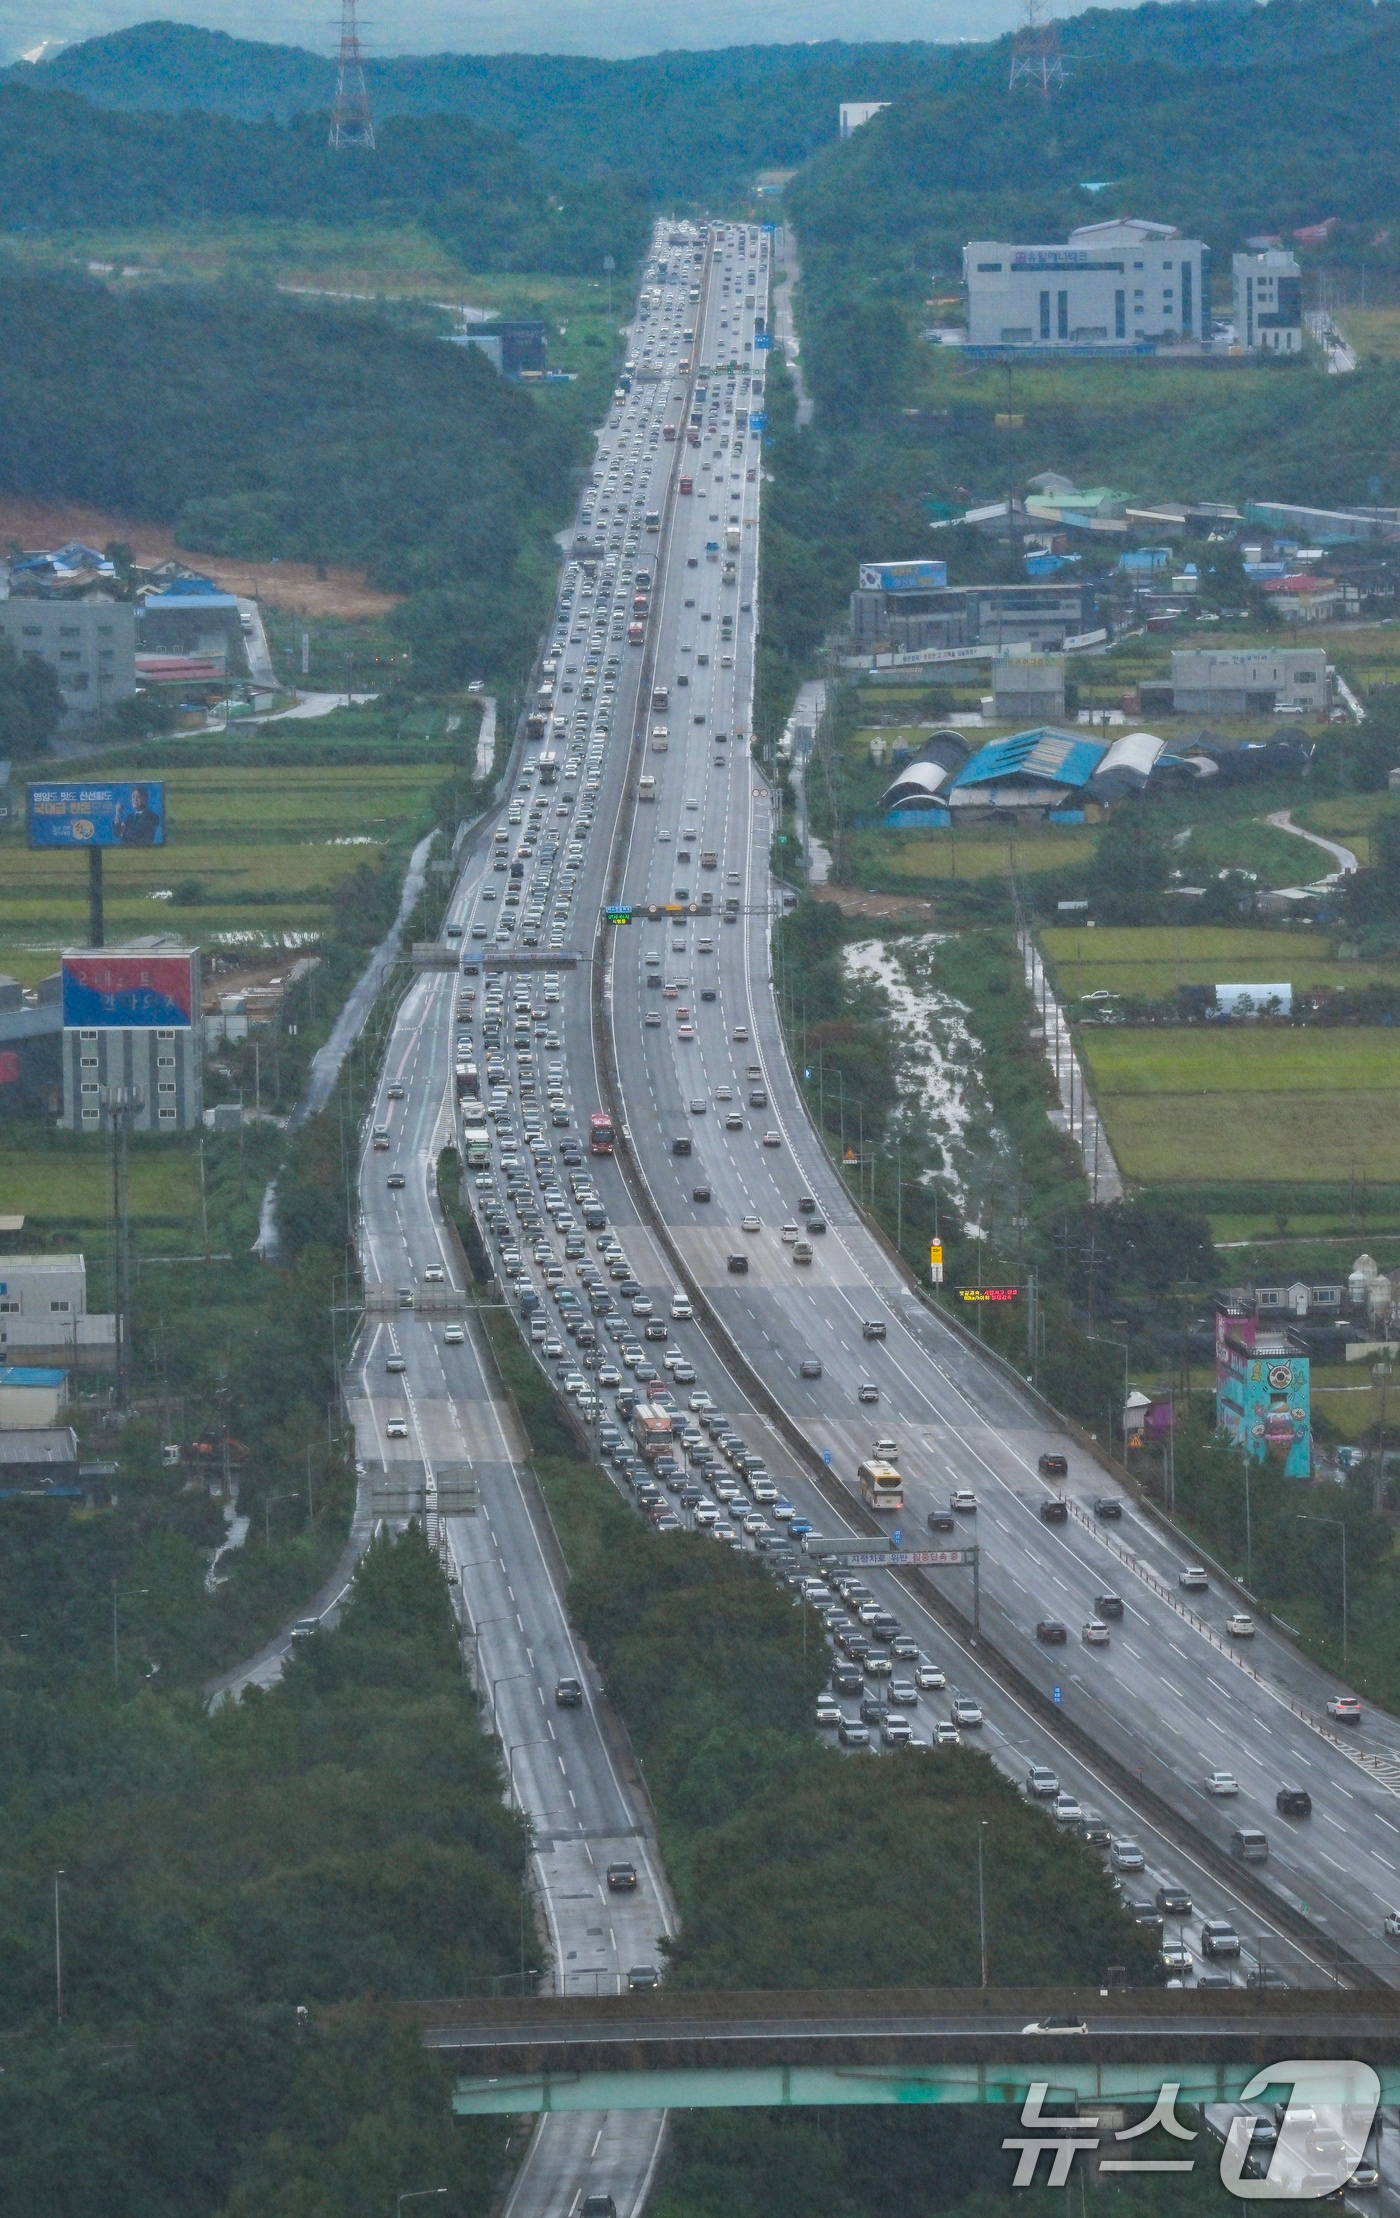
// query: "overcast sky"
[[606, 27]]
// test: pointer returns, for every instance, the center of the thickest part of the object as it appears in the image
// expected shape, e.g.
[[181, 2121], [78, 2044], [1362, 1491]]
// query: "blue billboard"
[[82, 815]]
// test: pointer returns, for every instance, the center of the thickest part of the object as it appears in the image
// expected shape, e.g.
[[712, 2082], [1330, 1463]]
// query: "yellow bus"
[[881, 1486]]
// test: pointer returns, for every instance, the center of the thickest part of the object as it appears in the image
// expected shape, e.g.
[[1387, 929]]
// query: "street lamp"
[[503, 1681], [57, 1947], [268, 1501], [1341, 1528], [417, 2195], [511, 1754], [981, 1900]]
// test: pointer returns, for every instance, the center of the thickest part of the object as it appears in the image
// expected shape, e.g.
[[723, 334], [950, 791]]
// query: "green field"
[[984, 853], [259, 849], [1285, 1106], [62, 1182], [1151, 961]]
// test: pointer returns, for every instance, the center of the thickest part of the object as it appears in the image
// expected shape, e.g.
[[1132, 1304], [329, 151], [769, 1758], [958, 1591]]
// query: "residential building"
[[166, 1063], [1122, 284], [193, 616], [853, 113], [1263, 1397], [132, 1019], [1301, 1298], [1302, 597], [1248, 681], [1268, 302], [90, 645], [44, 1311]]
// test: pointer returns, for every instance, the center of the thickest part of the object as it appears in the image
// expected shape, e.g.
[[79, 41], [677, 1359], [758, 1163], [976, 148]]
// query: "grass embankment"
[[334, 1844], [794, 1866]]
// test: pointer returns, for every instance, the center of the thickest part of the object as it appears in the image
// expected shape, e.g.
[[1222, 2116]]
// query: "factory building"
[[1041, 614], [1121, 285], [1249, 681]]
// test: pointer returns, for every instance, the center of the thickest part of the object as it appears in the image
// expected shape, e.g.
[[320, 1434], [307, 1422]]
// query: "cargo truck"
[[733, 538], [651, 1429]]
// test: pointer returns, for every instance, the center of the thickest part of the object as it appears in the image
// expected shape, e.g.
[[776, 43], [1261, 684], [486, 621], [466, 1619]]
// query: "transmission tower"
[[1035, 51], [351, 122]]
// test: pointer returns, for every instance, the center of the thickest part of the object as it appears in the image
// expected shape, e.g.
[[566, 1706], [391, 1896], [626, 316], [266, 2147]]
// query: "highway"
[[1170, 1698], [1167, 1701]]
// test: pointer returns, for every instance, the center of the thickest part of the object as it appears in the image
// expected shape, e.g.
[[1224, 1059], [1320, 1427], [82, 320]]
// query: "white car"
[[1066, 1809], [828, 1710], [929, 1675], [680, 1308], [396, 1429], [1221, 1782], [700, 1401], [1240, 1626], [454, 1336], [749, 1224], [1125, 1855]]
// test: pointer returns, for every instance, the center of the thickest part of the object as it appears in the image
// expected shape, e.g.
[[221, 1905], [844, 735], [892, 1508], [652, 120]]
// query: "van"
[[1249, 1844], [802, 1251]]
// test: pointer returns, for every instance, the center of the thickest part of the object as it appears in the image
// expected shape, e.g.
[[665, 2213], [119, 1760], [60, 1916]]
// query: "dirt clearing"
[[293, 586]]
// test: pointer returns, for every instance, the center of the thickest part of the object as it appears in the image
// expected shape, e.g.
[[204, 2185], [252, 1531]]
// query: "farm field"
[[969, 854], [1151, 961], [1282, 1106], [251, 859], [61, 1182]]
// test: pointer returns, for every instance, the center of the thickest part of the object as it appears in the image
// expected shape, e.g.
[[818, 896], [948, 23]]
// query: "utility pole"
[[122, 1102]]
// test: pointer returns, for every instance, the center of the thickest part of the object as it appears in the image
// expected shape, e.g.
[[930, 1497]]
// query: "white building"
[[1116, 284], [44, 1311], [1268, 302], [1248, 681], [856, 112], [89, 645]]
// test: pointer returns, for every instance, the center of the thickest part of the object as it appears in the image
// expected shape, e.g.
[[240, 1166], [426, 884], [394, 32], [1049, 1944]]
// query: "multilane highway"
[[1169, 1699], [1166, 1701]]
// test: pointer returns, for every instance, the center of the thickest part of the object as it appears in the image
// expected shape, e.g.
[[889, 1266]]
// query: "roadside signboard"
[[989, 1293], [935, 1262], [82, 815]]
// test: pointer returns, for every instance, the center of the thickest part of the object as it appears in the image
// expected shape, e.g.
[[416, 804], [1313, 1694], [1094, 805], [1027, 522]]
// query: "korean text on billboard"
[[97, 815]]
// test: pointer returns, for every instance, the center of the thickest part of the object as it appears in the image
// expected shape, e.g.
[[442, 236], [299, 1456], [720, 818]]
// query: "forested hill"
[[1258, 124], [700, 123], [66, 163]]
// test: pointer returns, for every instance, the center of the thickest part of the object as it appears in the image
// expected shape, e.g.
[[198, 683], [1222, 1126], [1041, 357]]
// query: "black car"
[[599, 2206], [622, 1878], [1293, 1802], [1108, 1605], [1173, 1901], [872, 1709], [1143, 1912], [738, 1264], [1108, 1505], [942, 1521], [1055, 1511], [700, 1193], [568, 1693], [1052, 1632], [1053, 1467], [847, 1678]]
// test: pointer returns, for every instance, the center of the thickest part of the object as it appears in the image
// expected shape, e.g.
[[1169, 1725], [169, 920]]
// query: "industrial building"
[[1124, 285], [1041, 614], [1028, 688], [90, 645], [44, 1311], [1268, 302], [1045, 773], [31, 1396], [1249, 681]]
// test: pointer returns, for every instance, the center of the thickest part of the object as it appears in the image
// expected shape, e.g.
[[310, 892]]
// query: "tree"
[[30, 704]]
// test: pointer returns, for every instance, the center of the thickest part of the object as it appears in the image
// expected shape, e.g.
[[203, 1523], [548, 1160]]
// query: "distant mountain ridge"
[[686, 121]]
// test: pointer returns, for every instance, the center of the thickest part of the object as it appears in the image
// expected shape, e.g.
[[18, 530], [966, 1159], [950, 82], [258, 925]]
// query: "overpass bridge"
[[672, 2050]]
